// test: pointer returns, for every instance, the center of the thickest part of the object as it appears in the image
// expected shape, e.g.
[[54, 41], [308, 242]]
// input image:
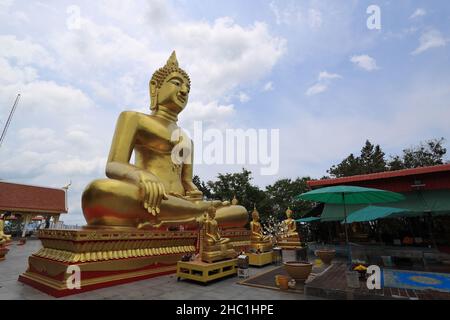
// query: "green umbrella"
[[309, 219], [350, 195], [371, 213]]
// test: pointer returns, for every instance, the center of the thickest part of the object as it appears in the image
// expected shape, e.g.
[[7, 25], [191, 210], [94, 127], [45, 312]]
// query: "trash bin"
[[352, 279], [277, 256]]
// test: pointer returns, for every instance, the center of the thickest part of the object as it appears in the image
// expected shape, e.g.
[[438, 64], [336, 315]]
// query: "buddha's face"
[[255, 217], [174, 92]]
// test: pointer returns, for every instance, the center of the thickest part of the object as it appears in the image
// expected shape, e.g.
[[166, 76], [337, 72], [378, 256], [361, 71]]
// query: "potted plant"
[[326, 255], [362, 270], [298, 270]]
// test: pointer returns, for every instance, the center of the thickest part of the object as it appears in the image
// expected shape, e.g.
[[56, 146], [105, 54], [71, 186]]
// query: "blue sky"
[[311, 69]]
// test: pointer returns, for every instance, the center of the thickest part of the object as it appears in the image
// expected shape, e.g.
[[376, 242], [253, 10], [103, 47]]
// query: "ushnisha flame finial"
[[172, 60]]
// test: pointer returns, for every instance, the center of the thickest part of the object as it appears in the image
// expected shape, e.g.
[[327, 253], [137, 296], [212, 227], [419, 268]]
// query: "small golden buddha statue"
[[213, 246], [4, 238], [290, 236], [290, 225], [155, 191], [258, 241]]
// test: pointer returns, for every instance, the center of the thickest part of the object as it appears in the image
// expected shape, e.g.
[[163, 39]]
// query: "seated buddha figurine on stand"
[[157, 190], [4, 238], [212, 246], [289, 238], [259, 241]]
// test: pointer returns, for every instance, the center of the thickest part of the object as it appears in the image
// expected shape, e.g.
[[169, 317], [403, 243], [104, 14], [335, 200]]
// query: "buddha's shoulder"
[[133, 114], [136, 116]]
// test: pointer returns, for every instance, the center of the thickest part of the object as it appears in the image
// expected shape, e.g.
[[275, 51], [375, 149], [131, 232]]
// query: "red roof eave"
[[379, 175]]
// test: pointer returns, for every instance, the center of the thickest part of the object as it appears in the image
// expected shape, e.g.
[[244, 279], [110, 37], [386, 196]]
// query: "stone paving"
[[333, 285], [161, 288]]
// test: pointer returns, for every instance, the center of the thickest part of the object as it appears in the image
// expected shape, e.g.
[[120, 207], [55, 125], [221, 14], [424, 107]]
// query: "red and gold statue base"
[[105, 258]]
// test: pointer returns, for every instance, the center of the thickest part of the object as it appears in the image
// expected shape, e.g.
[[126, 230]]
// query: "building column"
[[27, 221], [55, 219]]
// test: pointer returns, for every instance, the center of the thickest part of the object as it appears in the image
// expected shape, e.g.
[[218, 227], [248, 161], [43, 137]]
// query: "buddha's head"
[[212, 212], [255, 215], [289, 213], [169, 87]]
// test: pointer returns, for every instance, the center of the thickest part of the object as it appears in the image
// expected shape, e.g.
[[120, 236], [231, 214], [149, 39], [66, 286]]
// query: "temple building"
[[32, 202], [427, 197]]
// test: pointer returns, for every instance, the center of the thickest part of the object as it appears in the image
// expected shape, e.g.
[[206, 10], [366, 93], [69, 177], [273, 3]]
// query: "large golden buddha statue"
[[258, 240], [155, 191], [214, 247]]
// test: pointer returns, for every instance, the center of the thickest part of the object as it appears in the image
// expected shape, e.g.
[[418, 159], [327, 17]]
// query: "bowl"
[[299, 271], [326, 255]]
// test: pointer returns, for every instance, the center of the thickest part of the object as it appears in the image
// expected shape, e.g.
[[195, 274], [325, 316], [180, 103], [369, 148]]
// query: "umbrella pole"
[[430, 229], [349, 252]]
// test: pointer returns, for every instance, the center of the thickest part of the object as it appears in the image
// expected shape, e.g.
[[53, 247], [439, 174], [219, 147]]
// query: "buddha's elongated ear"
[[153, 86]]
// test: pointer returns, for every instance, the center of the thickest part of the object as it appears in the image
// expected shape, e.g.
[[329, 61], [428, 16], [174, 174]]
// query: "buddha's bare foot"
[[195, 194]]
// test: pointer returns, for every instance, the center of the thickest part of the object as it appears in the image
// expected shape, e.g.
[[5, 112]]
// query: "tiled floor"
[[333, 285], [165, 287]]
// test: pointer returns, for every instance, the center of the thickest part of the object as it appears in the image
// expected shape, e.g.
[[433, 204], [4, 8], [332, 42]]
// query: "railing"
[[62, 226]]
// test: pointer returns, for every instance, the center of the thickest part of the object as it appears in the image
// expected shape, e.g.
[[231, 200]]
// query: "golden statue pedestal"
[[218, 252], [261, 246], [105, 257], [239, 238], [290, 243], [204, 272], [260, 259]]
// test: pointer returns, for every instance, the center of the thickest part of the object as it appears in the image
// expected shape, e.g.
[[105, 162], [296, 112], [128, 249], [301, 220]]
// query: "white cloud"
[[24, 51], [268, 86], [316, 89], [11, 74], [418, 13], [314, 18], [77, 166], [365, 62], [209, 112], [243, 97], [327, 76], [429, 40], [323, 81], [232, 54], [292, 13]]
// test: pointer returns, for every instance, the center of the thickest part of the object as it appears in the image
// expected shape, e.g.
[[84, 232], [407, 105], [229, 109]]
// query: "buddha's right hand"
[[153, 193]]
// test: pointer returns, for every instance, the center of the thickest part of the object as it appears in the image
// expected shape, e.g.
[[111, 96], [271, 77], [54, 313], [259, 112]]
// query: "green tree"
[[239, 184], [350, 166], [371, 160], [281, 195], [428, 153], [202, 186]]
